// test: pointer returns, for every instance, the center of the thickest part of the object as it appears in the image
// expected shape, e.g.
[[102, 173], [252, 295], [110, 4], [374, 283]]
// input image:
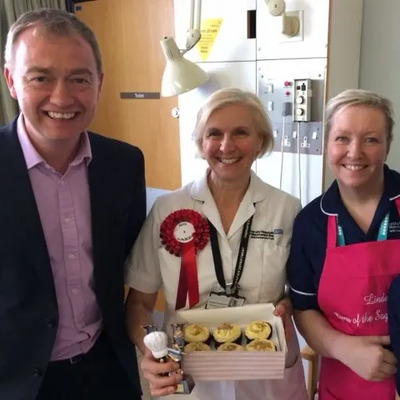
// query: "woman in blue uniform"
[[345, 253]]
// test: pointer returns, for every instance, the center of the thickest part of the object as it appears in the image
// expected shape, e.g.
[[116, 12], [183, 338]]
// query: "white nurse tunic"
[[151, 267]]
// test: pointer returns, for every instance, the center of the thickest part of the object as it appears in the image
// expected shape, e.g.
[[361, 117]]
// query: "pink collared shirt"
[[63, 202]]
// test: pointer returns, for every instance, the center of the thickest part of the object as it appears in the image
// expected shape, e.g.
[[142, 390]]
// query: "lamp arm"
[[181, 75], [191, 22], [193, 34], [198, 15]]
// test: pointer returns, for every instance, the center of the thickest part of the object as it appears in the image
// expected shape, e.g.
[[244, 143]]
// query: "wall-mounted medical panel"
[[296, 162], [228, 30], [286, 87], [312, 39], [222, 75]]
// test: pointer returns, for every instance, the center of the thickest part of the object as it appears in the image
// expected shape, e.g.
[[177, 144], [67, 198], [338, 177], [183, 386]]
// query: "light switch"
[[315, 135]]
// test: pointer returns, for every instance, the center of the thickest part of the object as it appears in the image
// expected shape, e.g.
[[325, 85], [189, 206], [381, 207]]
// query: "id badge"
[[222, 300], [237, 301]]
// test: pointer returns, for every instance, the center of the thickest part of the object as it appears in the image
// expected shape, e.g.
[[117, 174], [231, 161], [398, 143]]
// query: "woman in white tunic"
[[232, 130]]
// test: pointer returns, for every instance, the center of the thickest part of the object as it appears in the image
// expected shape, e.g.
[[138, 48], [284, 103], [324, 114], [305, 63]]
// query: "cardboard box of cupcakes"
[[239, 343]]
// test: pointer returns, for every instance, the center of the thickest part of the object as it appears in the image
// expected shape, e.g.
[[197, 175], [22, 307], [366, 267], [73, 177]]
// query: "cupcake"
[[194, 333], [261, 345], [230, 347], [196, 346], [227, 333], [258, 330]]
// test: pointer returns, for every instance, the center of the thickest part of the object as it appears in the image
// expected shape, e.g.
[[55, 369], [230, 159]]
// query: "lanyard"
[[230, 289], [382, 234]]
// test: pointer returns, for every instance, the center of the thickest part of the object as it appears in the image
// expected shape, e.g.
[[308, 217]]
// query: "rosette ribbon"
[[184, 233]]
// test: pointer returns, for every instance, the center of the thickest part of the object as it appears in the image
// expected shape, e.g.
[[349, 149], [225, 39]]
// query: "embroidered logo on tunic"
[[268, 235]]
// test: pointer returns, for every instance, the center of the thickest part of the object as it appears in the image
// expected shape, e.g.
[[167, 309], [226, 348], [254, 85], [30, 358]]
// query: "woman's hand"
[[153, 372], [284, 310], [367, 357]]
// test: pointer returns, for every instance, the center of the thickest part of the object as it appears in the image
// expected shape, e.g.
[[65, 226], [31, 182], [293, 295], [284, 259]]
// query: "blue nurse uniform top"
[[308, 245]]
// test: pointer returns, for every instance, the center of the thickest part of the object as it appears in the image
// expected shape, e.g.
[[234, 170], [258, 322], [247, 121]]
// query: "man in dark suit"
[[71, 205]]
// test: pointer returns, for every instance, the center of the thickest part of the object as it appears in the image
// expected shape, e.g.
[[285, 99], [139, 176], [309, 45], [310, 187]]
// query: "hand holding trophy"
[[157, 342]]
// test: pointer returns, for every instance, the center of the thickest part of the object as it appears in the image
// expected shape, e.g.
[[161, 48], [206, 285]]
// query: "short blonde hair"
[[359, 97], [229, 96]]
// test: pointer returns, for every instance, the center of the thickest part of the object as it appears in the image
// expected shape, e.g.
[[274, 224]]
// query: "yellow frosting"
[[230, 347], [227, 333], [196, 347], [196, 333], [258, 330], [260, 345]]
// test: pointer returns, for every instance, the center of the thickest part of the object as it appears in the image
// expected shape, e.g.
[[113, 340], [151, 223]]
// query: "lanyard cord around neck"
[[382, 234], [244, 242]]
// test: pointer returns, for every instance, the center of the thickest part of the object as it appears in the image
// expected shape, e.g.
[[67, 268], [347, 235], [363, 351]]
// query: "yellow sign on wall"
[[209, 30]]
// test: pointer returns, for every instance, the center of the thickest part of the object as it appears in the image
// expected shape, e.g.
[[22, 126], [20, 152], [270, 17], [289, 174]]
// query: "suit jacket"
[[28, 307]]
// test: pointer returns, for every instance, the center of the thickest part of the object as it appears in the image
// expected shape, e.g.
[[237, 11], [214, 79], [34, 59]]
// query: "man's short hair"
[[53, 22]]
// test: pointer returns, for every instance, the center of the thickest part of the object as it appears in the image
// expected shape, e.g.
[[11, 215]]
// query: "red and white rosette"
[[184, 233]]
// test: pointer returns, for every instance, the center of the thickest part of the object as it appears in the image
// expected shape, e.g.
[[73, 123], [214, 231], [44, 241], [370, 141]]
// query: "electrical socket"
[[310, 143]]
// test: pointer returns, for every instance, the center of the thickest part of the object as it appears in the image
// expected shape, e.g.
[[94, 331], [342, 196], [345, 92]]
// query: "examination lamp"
[[181, 75]]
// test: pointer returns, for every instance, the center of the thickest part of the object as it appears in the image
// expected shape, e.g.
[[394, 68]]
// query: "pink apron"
[[352, 296]]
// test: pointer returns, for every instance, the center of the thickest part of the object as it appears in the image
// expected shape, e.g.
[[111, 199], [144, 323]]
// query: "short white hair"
[[229, 96]]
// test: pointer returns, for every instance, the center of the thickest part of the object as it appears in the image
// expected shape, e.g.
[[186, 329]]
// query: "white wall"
[[236, 60], [380, 59]]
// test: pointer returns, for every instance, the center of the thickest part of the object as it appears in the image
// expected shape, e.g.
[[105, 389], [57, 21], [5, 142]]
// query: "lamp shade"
[[180, 75]]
